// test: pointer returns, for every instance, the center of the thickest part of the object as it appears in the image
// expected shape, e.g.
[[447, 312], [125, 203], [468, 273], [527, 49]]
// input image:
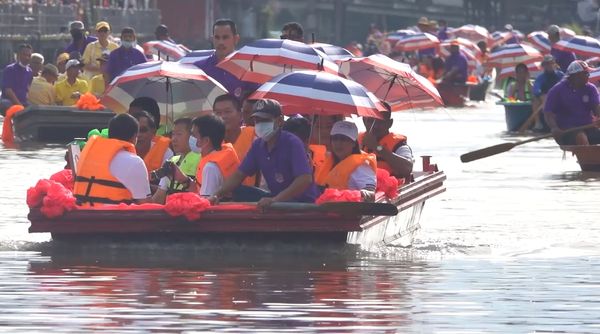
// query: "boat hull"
[[453, 95], [588, 157]]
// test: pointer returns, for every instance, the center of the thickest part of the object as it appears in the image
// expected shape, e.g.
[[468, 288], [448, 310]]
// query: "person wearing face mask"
[[281, 159], [16, 78], [79, 39], [346, 166], [125, 56]]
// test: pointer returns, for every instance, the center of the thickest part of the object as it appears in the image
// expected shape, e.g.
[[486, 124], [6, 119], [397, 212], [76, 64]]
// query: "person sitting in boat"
[[98, 81], [281, 159], [392, 152], [320, 142], [228, 108], [69, 90], [571, 103], [41, 91], [456, 67], [346, 166], [520, 89], [546, 80], [109, 171], [150, 147], [151, 106], [16, 79], [186, 159], [300, 126]]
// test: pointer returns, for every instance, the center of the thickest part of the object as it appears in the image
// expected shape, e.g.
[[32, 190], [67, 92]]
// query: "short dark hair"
[[522, 67], [123, 127], [211, 126], [148, 104], [143, 113], [294, 26], [24, 46], [184, 121], [230, 98], [128, 30], [246, 94], [161, 30], [226, 22], [299, 126]]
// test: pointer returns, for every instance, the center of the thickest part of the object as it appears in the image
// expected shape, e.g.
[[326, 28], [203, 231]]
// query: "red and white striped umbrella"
[[393, 82], [165, 50], [179, 89], [566, 33], [472, 60], [593, 62], [580, 45], [264, 59], [535, 68], [334, 52], [418, 41], [512, 54], [320, 93], [472, 32], [539, 39], [196, 55], [595, 76], [397, 35], [500, 37]]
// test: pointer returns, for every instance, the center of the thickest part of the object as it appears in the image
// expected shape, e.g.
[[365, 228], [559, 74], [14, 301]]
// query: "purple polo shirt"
[[460, 62], [18, 78], [443, 34], [562, 58], [71, 47], [123, 58], [233, 85], [286, 161], [572, 107]]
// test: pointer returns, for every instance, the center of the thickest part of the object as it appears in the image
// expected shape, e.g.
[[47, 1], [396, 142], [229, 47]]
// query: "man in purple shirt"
[[225, 38], [80, 40], [16, 78], [125, 56], [455, 71], [280, 157], [572, 103], [562, 58], [443, 32]]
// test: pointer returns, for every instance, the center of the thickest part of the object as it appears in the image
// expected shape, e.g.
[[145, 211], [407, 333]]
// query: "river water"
[[511, 247]]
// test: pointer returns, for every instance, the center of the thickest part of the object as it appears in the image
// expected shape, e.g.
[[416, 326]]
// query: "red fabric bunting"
[[88, 101], [388, 184], [52, 196], [64, 177], [186, 204], [337, 195]]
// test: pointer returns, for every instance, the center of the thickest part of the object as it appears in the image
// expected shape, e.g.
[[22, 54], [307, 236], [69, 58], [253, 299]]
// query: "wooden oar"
[[346, 208], [504, 147], [530, 119]]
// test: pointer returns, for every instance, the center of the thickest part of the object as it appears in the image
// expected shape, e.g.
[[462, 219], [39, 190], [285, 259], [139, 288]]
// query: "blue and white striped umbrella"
[[418, 41], [196, 55], [513, 54], [539, 39], [580, 45], [397, 35]]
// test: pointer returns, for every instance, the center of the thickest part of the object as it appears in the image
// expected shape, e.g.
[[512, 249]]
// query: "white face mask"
[[192, 141], [264, 130], [128, 44]]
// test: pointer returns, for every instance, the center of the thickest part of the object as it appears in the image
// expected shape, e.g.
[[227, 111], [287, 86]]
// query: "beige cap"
[[345, 128]]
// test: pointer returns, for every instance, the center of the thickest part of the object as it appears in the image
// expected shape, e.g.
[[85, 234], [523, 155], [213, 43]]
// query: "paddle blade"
[[486, 152]]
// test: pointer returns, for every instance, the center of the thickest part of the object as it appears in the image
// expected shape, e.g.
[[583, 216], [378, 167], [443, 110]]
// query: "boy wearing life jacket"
[[150, 147], [391, 150], [346, 166], [109, 171]]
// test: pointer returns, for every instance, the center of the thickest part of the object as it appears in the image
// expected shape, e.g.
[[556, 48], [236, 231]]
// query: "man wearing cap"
[[562, 58], [16, 78], [456, 68], [125, 56], [572, 103], [97, 49], [36, 63], [80, 40], [279, 156], [70, 89], [42, 90]]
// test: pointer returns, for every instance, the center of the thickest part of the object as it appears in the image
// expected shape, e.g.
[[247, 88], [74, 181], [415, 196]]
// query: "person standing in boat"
[[392, 152], [542, 84], [80, 40], [571, 103], [16, 78], [562, 58], [125, 56], [346, 166], [97, 49], [150, 147], [520, 89], [281, 159]]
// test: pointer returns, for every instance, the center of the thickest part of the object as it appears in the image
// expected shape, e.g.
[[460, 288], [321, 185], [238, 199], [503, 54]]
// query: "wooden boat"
[[516, 113], [588, 156], [57, 123], [479, 92], [250, 225], [455, 95]]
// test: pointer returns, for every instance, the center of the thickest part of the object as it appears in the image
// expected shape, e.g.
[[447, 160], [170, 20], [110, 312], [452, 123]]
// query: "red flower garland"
[[186, 204], [52, 196], [388, 184], [64, 177], [337, 195]]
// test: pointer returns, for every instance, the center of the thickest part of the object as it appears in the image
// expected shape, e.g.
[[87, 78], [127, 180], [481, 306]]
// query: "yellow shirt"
[[64, 91], [97, 85], [92, 52], [41, 92]]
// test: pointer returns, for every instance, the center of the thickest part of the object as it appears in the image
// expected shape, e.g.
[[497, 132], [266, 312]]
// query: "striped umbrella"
[[566, 33], [595, 76], [165, 50], [179, 89], [535, 68], [593, 62], [321, 93], [196, 55], [500, 37], [418, 41], [264, 59], [391, 81], [539, 39], [334, 52], [397, 35], [580, 45], [472, 60], [512, 54], [472, 32]]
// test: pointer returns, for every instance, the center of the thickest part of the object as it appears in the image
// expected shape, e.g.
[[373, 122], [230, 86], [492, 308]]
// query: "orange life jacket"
[[319, 153], [337, 176], [94, 183], [242, 146], [154, 157], [391, 142], [226, 159]]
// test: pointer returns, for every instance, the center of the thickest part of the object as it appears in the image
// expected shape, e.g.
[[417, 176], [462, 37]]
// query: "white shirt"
[[363, 177], [212, 179], [130, 170], [405, 152]]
